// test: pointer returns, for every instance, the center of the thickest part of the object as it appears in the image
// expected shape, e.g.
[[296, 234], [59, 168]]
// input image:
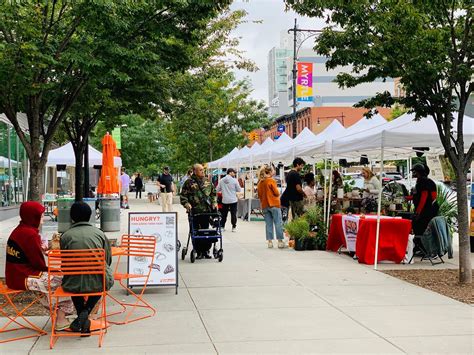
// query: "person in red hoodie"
[[25, 267]]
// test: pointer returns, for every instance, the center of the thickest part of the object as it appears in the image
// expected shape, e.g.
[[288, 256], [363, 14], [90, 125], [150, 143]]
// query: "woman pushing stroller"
[[199, 196]]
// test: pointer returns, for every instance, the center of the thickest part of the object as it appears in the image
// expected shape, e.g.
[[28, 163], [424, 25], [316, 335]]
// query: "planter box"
[[300, 244]]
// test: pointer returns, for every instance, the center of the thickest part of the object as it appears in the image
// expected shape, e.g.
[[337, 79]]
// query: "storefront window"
[[12, 167]]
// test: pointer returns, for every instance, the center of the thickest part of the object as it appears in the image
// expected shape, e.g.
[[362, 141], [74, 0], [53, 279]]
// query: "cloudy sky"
[[258, 38]]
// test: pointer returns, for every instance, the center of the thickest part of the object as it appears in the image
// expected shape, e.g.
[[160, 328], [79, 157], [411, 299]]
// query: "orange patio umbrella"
[[108, 182]]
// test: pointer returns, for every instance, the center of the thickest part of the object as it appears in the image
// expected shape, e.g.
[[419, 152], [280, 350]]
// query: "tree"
[[429, 45], [211, 116], [144, 148], [51, 50]]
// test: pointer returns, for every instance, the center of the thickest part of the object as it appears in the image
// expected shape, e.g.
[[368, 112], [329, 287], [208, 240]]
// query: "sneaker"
[[234, 229], [270, 244], [281, 244]]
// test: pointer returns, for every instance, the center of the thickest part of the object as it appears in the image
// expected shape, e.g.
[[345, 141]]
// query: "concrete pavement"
[[261, 300]]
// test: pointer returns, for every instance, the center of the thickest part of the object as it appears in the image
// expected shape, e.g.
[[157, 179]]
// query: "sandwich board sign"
[[164, 266]]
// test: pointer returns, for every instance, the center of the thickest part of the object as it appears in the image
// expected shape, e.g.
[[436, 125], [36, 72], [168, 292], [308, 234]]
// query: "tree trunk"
[[36, 179], [465, 268], [79, 174]]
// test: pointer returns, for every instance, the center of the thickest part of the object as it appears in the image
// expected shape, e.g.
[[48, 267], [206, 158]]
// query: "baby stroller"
[[213, 232]]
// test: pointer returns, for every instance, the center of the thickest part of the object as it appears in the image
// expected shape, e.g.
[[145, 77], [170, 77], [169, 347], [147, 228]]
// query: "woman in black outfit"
[[424, 199]]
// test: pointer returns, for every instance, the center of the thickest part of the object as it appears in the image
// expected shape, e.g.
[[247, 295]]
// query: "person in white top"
[[229, 187], [371, 183], [309, 189]]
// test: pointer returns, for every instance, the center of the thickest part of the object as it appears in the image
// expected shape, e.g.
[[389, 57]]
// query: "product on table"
[[56, 241]]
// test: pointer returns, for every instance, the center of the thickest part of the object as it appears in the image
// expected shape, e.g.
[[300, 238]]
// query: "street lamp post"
[[296, 48]]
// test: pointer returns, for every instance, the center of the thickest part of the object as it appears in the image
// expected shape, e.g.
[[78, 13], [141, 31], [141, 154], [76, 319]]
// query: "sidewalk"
[[261, 300]]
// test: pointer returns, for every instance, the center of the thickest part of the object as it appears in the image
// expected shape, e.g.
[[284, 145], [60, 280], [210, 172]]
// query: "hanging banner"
[[304, 82], [117, 136], [164, 227], [350, 226]]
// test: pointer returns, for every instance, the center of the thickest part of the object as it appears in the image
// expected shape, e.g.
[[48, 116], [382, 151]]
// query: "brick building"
[[316, 119]]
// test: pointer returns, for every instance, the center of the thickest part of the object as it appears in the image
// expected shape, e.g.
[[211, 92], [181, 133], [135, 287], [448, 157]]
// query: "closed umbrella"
[[108, 182]]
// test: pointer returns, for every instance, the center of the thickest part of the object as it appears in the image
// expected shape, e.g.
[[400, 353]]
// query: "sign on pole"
[[117, 136], [436, 169], [164, 227], [304, 82]]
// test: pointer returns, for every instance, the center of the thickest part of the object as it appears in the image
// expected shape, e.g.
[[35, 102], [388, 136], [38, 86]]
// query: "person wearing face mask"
[[83, 235], [25, 267]]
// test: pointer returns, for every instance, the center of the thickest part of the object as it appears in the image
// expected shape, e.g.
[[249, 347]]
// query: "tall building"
[[325, 91]]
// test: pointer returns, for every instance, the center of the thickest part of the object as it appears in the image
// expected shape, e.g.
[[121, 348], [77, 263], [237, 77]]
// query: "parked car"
[[391, 176]]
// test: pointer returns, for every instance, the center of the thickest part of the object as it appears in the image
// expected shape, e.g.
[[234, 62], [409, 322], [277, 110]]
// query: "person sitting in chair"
[[199, 196], [83, 235]]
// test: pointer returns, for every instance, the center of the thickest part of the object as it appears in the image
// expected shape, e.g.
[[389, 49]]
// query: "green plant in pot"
[[317, 238], [298, 229], [447, 203]]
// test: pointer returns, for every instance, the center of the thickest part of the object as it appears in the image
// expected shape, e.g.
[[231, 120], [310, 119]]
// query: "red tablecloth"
[[392, 242]]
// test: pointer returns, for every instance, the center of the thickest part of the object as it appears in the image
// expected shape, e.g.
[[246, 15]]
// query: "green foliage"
[[314, 215], [447, 203], [53, 53], [143, 147], [210, 117], [397, 111], [298, 228]]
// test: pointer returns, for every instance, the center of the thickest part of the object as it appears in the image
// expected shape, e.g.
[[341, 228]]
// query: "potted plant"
[[317, 236], [348, 187], [298, 229]]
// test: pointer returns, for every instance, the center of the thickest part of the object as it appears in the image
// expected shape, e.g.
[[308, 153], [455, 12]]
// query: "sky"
[[258, 38]]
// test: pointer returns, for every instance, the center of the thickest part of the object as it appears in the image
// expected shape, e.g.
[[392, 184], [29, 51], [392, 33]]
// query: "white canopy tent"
[[222, 162], [267, 155], [288, 152], [65, 156], [4, 162], [317, 146]]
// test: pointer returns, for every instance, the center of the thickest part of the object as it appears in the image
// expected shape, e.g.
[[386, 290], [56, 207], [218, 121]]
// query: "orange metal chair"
[[9, 296], [76, 262], [137, 246]]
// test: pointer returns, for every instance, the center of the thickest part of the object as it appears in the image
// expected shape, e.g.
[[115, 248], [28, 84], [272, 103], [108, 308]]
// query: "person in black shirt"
[[138, 186], [294, 188], [166, 185], [424, 199]]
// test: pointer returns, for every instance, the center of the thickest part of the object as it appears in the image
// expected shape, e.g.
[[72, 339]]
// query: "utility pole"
[[296, 48]]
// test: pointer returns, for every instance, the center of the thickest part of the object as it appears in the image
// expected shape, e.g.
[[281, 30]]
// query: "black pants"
[[232, 207], [137, 192], [202, 245], [81, 304]]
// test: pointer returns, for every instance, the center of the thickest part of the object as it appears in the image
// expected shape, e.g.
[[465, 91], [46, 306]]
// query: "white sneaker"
[[281, 244], [270, 244], [234, 229]]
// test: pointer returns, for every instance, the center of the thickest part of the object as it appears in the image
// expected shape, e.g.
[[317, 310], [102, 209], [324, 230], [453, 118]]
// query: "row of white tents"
[[372, 137], [375, 138]]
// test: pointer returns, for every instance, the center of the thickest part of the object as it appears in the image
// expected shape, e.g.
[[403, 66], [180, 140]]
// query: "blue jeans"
[[273, 217]]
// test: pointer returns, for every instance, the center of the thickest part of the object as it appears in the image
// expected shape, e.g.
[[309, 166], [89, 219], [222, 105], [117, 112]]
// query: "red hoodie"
[[24, 254]]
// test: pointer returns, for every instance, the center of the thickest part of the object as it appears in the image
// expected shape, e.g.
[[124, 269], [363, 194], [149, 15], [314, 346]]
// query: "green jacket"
[[199, 193], [83, 235]]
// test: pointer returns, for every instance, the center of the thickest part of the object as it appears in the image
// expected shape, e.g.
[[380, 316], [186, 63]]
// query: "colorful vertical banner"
[[117, 136], [304, 82]]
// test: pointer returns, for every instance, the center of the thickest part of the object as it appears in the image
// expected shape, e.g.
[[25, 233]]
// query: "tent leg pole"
[[324, 187], [329, 195], [379, 208]]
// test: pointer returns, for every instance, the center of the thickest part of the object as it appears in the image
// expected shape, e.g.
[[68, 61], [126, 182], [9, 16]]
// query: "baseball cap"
[[419, 168], [166, 168]]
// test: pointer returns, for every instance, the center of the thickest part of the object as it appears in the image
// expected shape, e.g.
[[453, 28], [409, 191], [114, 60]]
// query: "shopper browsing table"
[[294, 188], [270, 202], [229, 186]]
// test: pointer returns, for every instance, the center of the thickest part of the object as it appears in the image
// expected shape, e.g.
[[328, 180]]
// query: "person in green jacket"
[[83, 235]]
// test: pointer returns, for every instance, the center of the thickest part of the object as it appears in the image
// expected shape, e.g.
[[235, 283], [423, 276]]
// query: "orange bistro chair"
[[18, 318], [141, 247], [76, 262]]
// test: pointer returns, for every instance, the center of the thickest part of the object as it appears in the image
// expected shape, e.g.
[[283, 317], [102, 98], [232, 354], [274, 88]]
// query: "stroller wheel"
[[220, 255], [193, 256], [183, 253], [215, 253], [178, 245]]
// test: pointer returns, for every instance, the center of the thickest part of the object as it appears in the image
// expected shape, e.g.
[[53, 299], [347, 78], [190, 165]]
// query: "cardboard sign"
[[436, 169], [164, 227]]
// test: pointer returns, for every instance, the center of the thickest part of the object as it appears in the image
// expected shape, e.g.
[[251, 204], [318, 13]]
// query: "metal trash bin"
[[64, 214], [91, 203], [110, 214]]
